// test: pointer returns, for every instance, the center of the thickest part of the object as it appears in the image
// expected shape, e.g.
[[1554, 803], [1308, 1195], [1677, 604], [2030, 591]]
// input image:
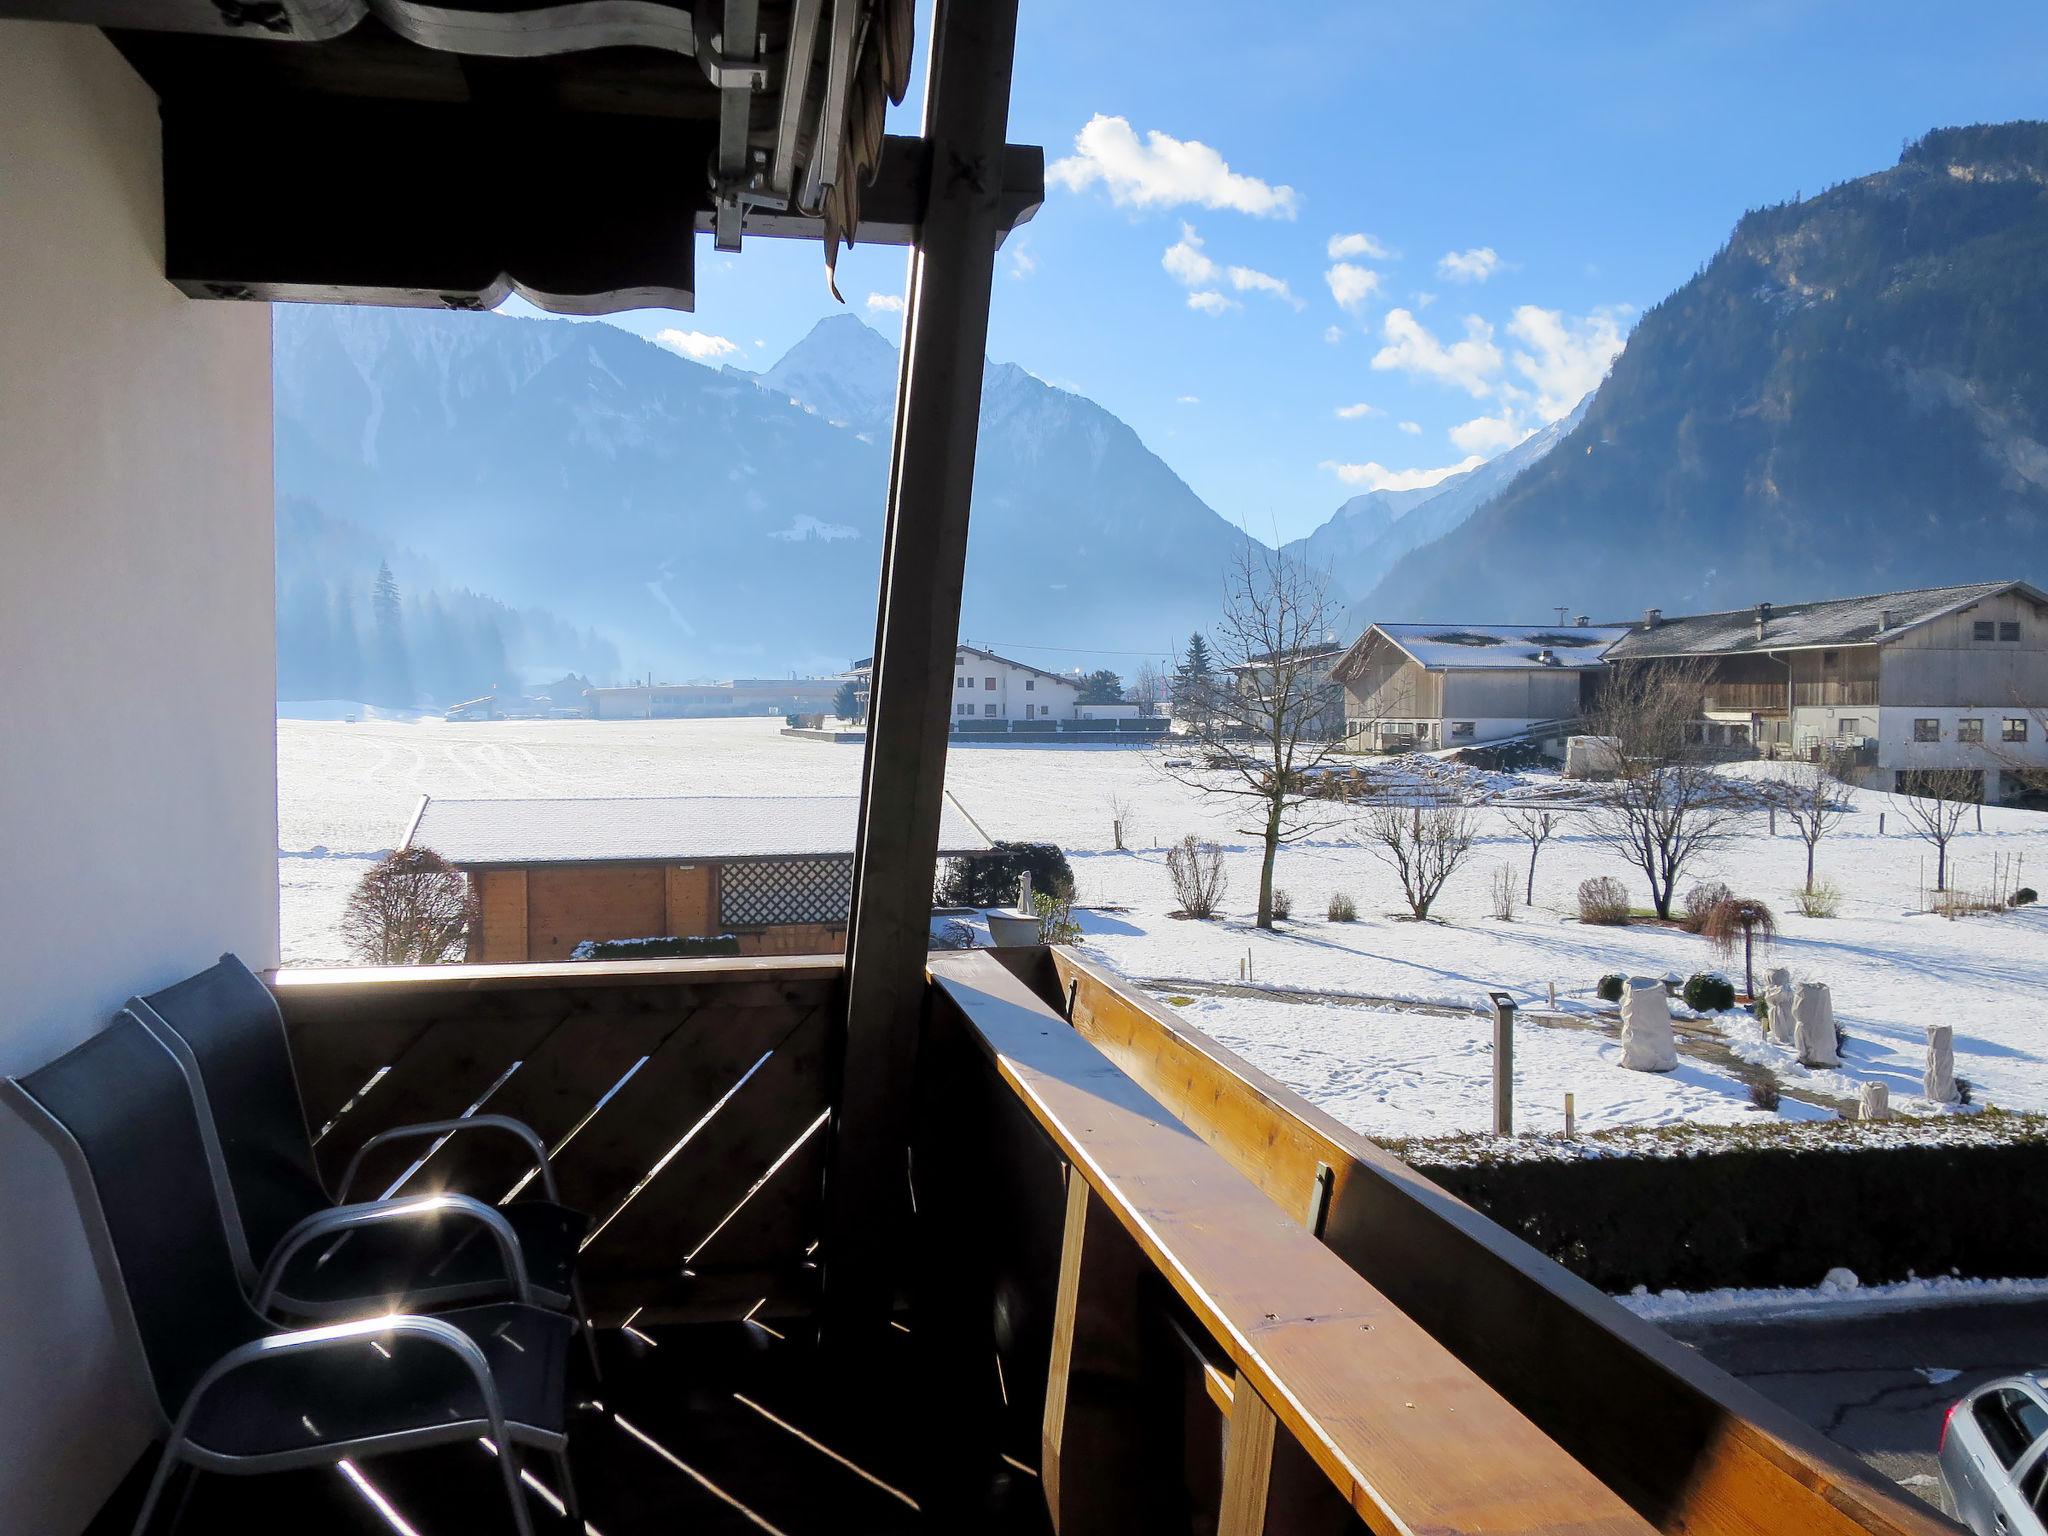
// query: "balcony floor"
[[687, 1441]]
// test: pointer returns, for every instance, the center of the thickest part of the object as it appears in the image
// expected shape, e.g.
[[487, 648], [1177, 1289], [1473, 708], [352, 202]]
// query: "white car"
[[1994, 1457]]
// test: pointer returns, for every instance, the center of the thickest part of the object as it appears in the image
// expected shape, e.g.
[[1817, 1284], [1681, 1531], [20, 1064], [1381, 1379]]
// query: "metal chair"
[[233, 1393], [224, 1028]]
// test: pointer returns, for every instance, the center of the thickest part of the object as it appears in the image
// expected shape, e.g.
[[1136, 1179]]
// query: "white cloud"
[[1351, 285], [1412, 428], [1163, 172], [1022, 262], [1187, 399], [1357, 412], [1490, 434], [1210, 302], [1424, 298], [1342, 246], [1568, 355], [1333, 334], [1471, 364], [1377, 477], [1473, 266], [890, 302], [1187, 262], [701, 346]]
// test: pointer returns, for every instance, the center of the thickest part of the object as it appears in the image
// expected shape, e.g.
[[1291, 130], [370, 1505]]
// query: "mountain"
[[1365, 536], [710, 522], [1851, 395]]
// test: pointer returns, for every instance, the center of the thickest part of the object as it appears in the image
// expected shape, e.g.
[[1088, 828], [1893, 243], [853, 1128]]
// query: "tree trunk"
[[1941, 866], [1266, 868], [1748, 970], [1529, 895], [1809, 869]]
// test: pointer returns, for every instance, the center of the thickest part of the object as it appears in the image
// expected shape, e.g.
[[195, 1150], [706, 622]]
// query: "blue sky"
[[1379, 238]]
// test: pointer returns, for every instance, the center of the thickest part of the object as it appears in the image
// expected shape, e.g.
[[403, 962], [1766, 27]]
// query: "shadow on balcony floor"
[[704, 1429]]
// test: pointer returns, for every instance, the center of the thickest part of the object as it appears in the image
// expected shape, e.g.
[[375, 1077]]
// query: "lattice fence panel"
[[770, 891]]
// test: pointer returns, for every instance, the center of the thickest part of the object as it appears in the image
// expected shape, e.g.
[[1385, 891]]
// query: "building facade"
[[1435, 686], [991, 687], [696, 701]]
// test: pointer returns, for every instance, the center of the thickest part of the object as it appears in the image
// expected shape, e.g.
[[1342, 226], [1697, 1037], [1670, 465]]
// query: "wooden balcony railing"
[[1825, 694], [1766, 698], [1174, 1291]]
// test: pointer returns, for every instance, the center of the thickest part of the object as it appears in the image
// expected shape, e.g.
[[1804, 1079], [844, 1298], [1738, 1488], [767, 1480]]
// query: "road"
[[1866, 1379]]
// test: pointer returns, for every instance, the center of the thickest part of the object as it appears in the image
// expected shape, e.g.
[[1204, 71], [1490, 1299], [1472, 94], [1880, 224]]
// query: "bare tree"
[[1935, 804], [1119, 819], [1665, 803], [1538, 827], [1258, 723], [1147, 689], [1424, 843], [411, 907], [1807, 793]]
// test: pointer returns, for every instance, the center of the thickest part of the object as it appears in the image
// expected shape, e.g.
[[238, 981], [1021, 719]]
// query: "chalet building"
[[907, 1242], [1311, 671], [1885, 687], [775, 872], [1433, 686], [694, 701]]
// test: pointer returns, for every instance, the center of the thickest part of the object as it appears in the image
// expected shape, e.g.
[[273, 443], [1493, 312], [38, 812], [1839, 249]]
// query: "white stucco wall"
[[138, 804]]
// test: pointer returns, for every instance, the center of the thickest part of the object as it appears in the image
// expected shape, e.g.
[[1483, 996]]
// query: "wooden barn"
[[774, 872]]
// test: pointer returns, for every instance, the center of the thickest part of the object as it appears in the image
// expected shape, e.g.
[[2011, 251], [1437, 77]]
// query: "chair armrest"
[[278, 1346], [504, 1123], [342, 1219]]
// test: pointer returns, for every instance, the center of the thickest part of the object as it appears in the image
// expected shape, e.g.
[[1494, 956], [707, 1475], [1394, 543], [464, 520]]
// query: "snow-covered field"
[[346, 793]]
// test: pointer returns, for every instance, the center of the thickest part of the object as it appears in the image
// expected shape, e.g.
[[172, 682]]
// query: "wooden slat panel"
[[1411, 1438], [502, 896], [560, 1082], [678, 1210], [333, 1061], [571, 903], [1690, 1448], [692, 899]]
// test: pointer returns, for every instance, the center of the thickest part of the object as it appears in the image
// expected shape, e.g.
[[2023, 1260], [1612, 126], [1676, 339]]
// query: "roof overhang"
[[451, 154]]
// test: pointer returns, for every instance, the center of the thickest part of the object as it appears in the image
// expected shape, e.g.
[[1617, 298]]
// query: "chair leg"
[[589, 1333], [158, 1481], [508, 1468], [568, 1490]]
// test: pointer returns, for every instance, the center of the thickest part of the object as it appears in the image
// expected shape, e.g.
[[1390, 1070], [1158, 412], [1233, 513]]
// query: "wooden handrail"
[[1411, 1438], [710, 971], [1690, 1447]]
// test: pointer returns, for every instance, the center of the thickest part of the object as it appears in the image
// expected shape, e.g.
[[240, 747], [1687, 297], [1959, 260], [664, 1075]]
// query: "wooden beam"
[[1247, 1464], [931, 480]]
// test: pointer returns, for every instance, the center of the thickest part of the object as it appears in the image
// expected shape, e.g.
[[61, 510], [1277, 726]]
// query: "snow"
[[1505, 647], [1838, 1292], [347, 792]]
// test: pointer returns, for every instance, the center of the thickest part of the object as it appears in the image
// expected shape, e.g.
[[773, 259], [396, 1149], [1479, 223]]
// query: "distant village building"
[[1884, 687], [988, 687], [1432, 686], [1311, 669], [741, 696], [776, 872]]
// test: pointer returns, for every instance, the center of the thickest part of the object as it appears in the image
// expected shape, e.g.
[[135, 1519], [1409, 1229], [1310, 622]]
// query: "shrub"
[[993, 879], [1196, 870], [1342, 909], [1503, 889], [1962, 1090], [1823, 900], [1763, 1093], [1056, 923], [1701, 900], [1610, 987], [1603, 899], [2024, 895], [1737, 923], [412, 907], [1283, 904], [687, 946], [1708, 992], [1762, 1004]]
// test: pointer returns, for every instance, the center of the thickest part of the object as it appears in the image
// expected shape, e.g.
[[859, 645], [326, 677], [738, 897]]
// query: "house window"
[[1849, 726], [989, 683], [964, 709], [2009, 630], [1030, 683], [988, 710], [1461, 729], [2015, 728], [959, 661], [1983, 629], [1927, 730], [1969, 730]]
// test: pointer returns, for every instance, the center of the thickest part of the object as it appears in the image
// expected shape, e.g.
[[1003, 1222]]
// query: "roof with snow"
[[655, 830], [1795, 626], [1502, 647]]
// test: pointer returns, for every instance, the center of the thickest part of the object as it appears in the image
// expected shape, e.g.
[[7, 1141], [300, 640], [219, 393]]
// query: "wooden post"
[[931, 477], [1503, 1064], [1247, 1463]]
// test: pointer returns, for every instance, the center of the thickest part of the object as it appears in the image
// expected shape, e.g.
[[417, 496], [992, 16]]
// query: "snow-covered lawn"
[[347, 791]]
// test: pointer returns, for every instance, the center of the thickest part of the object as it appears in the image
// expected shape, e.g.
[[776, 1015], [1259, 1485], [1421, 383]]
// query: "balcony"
[[1144, 1287]]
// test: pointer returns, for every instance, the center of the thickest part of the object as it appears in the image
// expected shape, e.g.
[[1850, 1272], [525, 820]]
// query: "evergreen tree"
[[391, 671], [1193, 678], [1102, 687]]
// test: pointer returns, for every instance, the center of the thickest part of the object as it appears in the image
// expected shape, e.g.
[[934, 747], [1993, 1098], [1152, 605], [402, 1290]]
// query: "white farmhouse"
[[991, 687]]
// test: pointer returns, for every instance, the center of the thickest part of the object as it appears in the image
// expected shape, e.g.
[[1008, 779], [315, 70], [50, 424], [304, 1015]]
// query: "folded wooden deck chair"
[[232, 1392], [224, 1029]]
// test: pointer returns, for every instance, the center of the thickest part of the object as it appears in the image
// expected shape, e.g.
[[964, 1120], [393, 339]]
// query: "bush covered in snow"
[[689, 947], [1283, 904], [1610, 987], [2024, 895]]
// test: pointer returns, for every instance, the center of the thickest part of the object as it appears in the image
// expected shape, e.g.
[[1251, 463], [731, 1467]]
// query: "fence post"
[[1503, 1064]]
